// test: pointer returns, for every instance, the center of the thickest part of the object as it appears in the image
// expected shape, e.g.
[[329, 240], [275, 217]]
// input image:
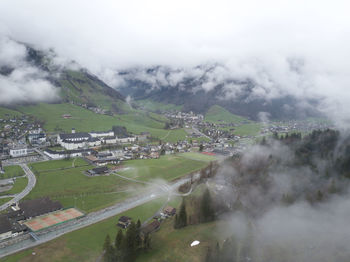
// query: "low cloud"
[[293, 231], [281, 48], [22, 82]]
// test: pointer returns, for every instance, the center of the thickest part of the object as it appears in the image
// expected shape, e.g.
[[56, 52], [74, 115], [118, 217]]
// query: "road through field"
[[31, 183], [95, 217]]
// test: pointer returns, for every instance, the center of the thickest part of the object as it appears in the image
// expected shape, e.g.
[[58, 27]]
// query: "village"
[[23, 140], [24, 137]]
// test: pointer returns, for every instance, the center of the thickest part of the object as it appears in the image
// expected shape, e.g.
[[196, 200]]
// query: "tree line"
[[128, 246], [205, 213]]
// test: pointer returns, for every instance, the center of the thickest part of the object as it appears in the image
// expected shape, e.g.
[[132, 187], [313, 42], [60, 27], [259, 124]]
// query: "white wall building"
[[102, 134], [19, 151]]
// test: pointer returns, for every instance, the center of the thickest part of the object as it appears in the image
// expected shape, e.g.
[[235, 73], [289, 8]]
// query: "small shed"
[[124, 221], [151, 227], [98, 171], [170, 211]]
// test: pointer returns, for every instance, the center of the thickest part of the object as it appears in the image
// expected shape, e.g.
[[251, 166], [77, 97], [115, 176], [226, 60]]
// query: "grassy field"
[[58, 164], [156, 106], [4, 200], [84, 244], [86, 120], [251, 129], [72, 188], [58, 180], [19, 186], [197, 156], [169, 244], [12, 171], [167, 167], [5, 112], [217, 114]]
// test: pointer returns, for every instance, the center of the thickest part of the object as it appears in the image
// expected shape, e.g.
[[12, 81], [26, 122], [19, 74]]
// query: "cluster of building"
[[151, 227], [188, 117], [12, 223], [13, 127], [76, 140], [15, 132], [295, 126]]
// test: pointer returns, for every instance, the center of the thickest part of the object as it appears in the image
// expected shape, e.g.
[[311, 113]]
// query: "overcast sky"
[[108, 33], [248, 36]]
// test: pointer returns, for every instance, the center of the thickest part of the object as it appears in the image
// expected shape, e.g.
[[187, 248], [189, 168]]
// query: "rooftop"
[[37, 207]]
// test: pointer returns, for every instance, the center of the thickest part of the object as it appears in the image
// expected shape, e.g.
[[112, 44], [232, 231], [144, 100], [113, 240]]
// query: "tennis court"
[[53, 218]]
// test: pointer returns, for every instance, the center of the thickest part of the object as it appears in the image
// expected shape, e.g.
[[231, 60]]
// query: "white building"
[[102, 134], [126, 139], [19, 150], [110, 140], [70, 153]]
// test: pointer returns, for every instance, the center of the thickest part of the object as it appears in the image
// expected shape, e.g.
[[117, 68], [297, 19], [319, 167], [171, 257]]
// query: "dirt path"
[[165, 135]]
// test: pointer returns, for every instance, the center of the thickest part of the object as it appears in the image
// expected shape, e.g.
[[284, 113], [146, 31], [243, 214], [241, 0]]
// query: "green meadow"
[[168, 167], [84, 120], [12, 171], [19, 186], [58, 180], [84, 244]]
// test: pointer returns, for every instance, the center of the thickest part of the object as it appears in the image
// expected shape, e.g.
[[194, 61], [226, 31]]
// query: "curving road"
[[31, 183], [91, 218]]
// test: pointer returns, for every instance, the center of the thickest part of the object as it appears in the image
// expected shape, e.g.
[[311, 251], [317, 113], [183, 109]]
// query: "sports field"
[[53, 218]]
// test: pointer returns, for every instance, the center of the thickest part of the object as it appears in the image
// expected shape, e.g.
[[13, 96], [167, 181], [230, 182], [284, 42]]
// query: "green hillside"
[[156, 106], [7, 113], [218, 114], [83, 88], [77, 86], [85, 120]]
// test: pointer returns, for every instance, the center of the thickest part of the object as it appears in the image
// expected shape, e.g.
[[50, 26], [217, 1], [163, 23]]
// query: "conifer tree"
[[129, 243], [208, 256], [147, 242], [108, 249], [119, 247], [138, 240], [182, 219], [176, 222], [206, 207]]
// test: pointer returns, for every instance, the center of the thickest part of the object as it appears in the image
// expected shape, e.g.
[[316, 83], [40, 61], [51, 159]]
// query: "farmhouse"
[[151, 227], [66, 116], [124, 221], [98, 171], [170, 211]]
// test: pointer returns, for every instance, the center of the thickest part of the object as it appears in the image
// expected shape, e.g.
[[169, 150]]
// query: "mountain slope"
[[199, 88], [218, 114], [76, 85]]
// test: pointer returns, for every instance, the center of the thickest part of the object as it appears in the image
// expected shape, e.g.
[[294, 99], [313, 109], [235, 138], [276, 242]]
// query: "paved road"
[[31, 183], [95, 217], [199, 132], [36, 149]]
